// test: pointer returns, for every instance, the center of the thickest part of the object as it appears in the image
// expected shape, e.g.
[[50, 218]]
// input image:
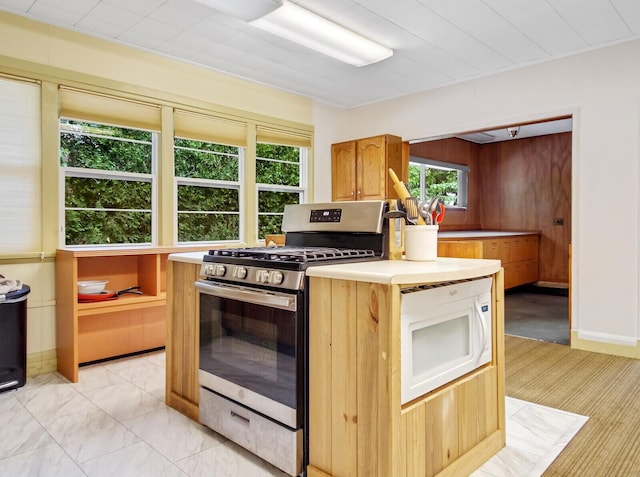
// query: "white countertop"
[[389, 271], [406, 272], [482, 233], [188, 257]]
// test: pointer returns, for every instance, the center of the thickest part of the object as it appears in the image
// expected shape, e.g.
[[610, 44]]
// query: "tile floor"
[[114, 422], [535, 314], [535, 436]]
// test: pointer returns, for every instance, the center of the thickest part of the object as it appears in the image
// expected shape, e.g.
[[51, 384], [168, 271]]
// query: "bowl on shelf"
[[91, 287]]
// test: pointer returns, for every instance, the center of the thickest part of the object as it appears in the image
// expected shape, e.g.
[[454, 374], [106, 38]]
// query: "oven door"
[[251, 348]]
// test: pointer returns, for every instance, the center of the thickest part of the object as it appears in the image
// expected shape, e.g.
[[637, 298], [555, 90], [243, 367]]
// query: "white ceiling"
[[518, 132], [435, 42]]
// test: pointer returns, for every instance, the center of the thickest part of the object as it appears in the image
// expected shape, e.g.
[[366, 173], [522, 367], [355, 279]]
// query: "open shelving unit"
[[87, 332]]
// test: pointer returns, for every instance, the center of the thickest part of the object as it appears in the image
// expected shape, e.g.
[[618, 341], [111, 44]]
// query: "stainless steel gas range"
[[253, 326]]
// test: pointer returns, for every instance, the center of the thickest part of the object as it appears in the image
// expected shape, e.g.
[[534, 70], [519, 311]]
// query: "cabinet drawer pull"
[[240, 418]]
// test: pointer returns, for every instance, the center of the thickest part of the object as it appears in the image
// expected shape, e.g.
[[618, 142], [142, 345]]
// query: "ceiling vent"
[[478, 137]]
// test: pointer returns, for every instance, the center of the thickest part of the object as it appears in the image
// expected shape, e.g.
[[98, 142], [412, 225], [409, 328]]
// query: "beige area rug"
[[603, 387]]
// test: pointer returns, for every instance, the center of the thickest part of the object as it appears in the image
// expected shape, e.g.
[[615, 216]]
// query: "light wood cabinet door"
[[371, 169], [343, 171], [360, 168]]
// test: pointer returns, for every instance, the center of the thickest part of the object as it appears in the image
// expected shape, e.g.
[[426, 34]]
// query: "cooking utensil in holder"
[[404, 194], [395, 230]]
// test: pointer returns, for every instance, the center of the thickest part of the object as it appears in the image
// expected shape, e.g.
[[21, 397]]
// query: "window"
[[448, 181], [108, 157], [208, 177], [114, 191], [281, 180], [109, 183]]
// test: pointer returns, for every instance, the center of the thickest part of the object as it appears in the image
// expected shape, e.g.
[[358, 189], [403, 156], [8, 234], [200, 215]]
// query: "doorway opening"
[[519, 180]]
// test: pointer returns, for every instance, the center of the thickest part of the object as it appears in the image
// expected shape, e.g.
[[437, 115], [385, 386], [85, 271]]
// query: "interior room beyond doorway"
[[519, 179]]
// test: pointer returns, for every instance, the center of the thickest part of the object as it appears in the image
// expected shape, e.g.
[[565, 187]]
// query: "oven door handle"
[[281, 301]]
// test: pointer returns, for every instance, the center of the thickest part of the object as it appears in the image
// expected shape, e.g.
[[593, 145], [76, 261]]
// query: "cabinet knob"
[[352, 192]]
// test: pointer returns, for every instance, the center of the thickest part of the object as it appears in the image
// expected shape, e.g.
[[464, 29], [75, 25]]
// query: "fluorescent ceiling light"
[[246, 10], [313, 31]]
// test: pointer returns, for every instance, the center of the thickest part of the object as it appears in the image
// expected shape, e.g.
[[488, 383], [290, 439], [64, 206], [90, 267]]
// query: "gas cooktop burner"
[[292, 254]]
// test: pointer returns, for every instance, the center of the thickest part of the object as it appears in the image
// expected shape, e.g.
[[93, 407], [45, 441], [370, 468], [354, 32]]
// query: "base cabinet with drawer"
[[517, 252], [251, 430]]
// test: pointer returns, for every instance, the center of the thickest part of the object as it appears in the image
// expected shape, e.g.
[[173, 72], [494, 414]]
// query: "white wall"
[[334, 125], [41, 300], [601, 89]]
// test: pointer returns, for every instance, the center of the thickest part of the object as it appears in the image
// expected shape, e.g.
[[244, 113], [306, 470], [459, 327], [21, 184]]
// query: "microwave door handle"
[[483, 326], [249, 296]]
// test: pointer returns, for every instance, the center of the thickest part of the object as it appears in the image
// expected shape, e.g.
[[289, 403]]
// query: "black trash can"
[[13, 339]]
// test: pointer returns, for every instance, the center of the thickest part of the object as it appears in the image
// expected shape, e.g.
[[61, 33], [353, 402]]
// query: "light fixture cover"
[[313, 31], [246, 10], [513, 131]]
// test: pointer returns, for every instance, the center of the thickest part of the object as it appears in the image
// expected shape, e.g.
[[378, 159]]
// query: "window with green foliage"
[[208, 178], [428, 179], [109, 183], [281, 180]]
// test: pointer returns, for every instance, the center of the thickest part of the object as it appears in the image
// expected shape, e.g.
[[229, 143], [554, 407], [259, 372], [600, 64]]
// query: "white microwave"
[[445, 333]]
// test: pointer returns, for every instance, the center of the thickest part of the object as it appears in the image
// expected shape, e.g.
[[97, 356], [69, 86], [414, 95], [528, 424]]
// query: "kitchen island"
[[358, 425], [182, 390]]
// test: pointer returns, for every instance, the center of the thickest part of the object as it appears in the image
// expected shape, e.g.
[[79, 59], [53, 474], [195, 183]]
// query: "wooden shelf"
[[122, 303], [106, 329]]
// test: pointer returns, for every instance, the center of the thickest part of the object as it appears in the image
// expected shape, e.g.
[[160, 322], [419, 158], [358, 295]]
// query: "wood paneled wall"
[[522, 184], [526, 184]]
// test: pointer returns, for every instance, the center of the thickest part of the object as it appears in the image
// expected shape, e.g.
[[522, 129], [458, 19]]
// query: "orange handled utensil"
[[438, 214]]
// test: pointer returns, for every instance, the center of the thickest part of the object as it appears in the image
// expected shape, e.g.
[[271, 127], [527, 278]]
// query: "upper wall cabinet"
[[360, 168]]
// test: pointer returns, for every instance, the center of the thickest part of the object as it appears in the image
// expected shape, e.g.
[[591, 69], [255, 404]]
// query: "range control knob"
[[262, 276], [277, 277], [208, 269], [241, 273], [220, 270]]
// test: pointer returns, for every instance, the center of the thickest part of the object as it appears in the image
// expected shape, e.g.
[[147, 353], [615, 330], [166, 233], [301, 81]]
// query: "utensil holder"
[[421, 243]]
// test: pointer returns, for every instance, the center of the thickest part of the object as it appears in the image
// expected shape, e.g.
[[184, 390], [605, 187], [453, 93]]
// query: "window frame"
[[106, 174], [463, 178], [168, 120], [302, 189], [215, 184]]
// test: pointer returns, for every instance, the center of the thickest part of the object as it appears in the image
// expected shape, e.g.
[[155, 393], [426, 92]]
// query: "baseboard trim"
[[605, 344], [542, 283], [42, 362]]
